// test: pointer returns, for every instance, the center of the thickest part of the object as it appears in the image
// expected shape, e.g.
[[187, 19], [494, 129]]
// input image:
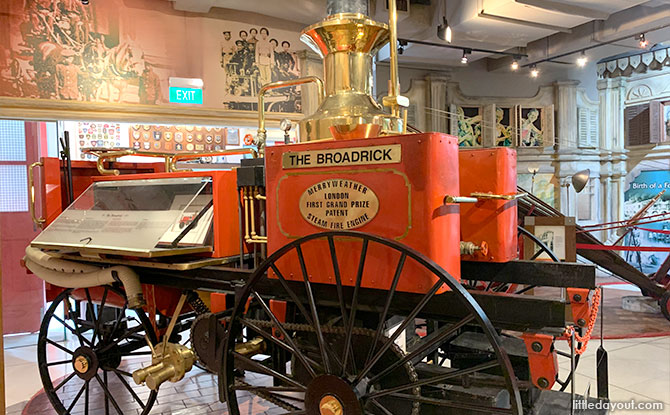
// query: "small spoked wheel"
[[320, 323], [86, 355]]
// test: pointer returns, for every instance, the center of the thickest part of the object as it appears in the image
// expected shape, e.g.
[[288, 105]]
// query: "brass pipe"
[[112, 155], [393, 48], [249, 196], [262, 132], [459, 199], [31, 185], [500, 197], [190, 156]]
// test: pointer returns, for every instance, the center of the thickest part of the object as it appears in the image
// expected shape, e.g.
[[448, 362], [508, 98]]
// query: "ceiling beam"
[[571, 9], [512, 20]]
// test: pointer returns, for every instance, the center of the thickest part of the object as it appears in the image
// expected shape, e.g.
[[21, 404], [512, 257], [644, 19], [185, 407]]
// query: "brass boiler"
[[347, 42]]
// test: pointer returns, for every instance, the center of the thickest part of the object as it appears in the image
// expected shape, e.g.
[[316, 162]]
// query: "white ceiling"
[[501, 25]]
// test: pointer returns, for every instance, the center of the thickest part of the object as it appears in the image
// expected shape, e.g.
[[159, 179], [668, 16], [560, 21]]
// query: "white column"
[[565, 96], [437, 100]]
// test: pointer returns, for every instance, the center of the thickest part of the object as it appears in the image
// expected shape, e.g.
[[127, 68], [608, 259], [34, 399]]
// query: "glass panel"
[[13, 188], [13, 139], [135, 215]]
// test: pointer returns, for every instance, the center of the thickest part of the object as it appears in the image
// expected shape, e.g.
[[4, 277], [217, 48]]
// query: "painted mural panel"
[[530, 131], [543, 185], [504, 136], [469, 126], [642, 189], [120, 51]]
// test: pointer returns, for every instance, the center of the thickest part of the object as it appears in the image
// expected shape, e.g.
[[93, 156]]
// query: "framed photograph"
[[233, 136], [557, 233], [469, 126]]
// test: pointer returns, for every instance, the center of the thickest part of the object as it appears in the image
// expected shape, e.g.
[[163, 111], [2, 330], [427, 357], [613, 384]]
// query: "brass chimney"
[[347, 42]]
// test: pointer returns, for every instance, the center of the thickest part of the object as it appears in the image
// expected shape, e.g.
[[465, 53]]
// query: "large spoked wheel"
[[86, 358], [335, 352]]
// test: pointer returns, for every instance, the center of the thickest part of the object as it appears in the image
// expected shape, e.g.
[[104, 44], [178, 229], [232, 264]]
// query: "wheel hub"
[[85, 363], [331, 395]]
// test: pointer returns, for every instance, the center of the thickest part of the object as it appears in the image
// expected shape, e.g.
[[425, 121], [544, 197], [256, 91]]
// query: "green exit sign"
[[179, 95]]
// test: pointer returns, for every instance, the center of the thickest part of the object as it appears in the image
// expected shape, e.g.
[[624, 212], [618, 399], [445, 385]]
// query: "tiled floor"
[[639, 369]]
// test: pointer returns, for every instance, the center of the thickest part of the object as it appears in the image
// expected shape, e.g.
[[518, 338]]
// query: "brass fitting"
[[470, 248], [171, 364], [251, 348]]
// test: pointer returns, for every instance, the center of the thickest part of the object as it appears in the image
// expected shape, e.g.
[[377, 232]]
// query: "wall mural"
[[666, 120], [504, 136], [543, 186], [469, 126], [530, 131], [644, 188], [125, 52]]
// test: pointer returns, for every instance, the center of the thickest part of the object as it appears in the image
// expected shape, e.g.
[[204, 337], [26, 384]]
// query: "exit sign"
[[180, 95]]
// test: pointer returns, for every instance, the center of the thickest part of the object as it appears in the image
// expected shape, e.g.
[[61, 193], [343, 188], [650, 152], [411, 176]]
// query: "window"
[[13, 170], [587, 127]]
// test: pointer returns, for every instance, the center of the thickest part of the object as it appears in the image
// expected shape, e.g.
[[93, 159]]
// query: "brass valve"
[[171, 364]]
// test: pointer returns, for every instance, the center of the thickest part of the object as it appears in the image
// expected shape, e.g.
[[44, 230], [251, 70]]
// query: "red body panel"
[[411, 210], [489, 170]]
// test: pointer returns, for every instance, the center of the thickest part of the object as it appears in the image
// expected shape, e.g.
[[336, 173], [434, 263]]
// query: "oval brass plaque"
[[339, 204]]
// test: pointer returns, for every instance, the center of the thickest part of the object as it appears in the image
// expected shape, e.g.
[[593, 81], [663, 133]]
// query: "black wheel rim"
[[373, 386], [89, 375]]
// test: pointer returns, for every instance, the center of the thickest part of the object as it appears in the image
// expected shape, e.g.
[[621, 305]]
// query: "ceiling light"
[[534, 72], [515, 65], [464, 59], [84, 2], [643, 41], [444, 30], [582, 59]]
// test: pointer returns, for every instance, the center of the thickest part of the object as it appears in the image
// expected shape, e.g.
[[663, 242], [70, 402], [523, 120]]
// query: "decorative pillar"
[[437, 100], [611, 95], [565, 98], [489, 131]]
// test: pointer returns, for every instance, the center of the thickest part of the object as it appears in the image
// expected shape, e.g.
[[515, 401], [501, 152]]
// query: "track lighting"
[[534, 72], [464, 59], [643, 41], [84, 2], [515, 64], [444, 30], [582, 59]]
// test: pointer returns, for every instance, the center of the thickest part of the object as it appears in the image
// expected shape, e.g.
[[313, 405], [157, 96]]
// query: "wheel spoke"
[[77, 328], [429, 345], [268, 371], [126, 335], [380, 406], [108, 395], [63, 348], [130, 389], [86, 399], [387, 306], [354, 305], [76, 398], [96, 330], [66, 380], [466, 406], [292, 294], [81, 338], [338, 278], [296, 351], [315, 315], [434, 379], [122, 314], [60, 362], [91, 309], [389, 341]]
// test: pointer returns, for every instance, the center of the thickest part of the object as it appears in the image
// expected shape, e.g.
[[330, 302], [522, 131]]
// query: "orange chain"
[[584, 340]]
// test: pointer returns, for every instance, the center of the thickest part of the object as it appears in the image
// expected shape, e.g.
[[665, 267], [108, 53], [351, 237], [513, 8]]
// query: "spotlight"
[[515, 65], [84, 2], [534, 72], [444, 30], [582, 59], [401, 46], [643, 41], [464, 59]]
